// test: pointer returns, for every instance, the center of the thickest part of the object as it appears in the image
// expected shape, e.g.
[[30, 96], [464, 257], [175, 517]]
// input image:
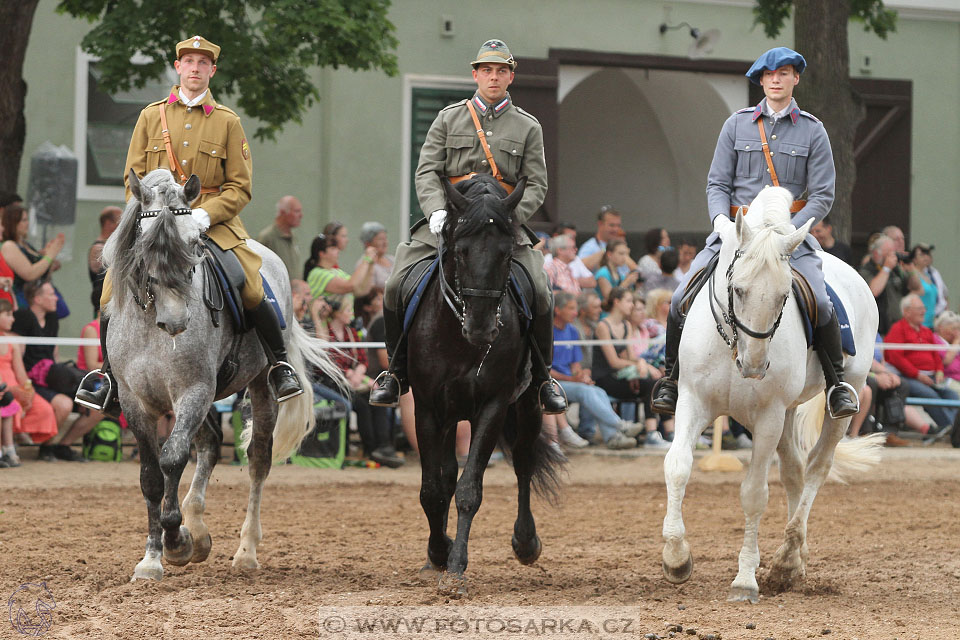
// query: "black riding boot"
[[552, 399], [665, 390], [98, 389], [842, 398], [392, 383], [282, 377]]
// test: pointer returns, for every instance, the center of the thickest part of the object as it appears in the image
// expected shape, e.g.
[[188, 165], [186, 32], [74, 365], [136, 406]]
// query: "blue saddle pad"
[[236, 306], [846, 331]]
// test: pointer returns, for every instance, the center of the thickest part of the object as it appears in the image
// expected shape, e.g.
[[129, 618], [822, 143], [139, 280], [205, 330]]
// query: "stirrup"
[[280, 364], [379, 383], [556, 385], [848, 387], [106, 379]]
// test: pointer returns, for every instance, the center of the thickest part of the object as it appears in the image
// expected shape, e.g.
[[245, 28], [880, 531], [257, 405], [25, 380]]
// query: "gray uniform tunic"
[[803, 161], [452, 149]]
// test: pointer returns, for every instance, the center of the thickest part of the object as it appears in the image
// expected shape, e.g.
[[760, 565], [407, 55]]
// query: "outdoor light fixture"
[[703, 42]]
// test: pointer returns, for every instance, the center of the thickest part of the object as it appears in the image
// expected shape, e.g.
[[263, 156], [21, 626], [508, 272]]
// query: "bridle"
[[729, 315], [454, 296], [148, 296]]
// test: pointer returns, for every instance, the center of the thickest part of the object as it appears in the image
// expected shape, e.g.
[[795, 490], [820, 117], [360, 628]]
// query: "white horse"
[[761, 382]]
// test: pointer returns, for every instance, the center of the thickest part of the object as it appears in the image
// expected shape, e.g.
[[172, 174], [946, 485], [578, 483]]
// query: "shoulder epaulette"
[[745, 110], [529, 115], [810, 115], [455, 104], [155, 104], [227, 109]]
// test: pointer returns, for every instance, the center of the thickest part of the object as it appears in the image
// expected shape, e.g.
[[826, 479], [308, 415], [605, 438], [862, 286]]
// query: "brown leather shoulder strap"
[[165, 130], [483, 141], [766, 152]]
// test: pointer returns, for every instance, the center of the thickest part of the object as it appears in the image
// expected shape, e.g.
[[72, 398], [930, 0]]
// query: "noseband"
[[729, 315], [148, 295]]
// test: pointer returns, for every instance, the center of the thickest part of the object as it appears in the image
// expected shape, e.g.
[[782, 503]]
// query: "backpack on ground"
[[104, 442]]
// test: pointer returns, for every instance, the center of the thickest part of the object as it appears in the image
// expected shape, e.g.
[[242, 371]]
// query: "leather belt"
[[455, 179], [794, 208]]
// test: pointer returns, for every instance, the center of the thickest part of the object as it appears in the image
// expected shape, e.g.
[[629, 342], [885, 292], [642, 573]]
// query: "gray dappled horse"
[[166, 353]]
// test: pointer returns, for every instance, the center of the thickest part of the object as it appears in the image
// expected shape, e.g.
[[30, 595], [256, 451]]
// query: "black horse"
[[469, 360]]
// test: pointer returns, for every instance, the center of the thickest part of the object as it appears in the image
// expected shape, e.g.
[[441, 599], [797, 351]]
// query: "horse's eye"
[[738, 291]]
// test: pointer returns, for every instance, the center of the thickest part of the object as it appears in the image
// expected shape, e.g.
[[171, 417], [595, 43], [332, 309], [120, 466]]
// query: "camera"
[[905, 257]]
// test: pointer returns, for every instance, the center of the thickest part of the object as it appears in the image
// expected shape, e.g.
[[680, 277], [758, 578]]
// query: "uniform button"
[[183, 162], [489, 133], [489, 117], [747, 147], [794, 152], [154, 148], [213, 152], [186, 144], [774, 137], [188, 126], [483, 162], [514, 151], [189, 109], [768, 170]]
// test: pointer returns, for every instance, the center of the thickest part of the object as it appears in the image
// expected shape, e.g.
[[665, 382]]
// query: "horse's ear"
[[454, 197], [792, 241], [744, 232], [511, 201], [135, 187], [191, 189]]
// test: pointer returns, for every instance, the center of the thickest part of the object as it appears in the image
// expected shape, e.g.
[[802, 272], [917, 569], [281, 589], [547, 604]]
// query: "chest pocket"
[[208, 165], [509, 157], [750, 161], [793, 158], [155, 153], [458, 147]]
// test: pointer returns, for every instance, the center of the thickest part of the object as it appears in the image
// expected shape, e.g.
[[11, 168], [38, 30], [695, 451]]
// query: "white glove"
[[719, 222], [437, 219], [202, 218]]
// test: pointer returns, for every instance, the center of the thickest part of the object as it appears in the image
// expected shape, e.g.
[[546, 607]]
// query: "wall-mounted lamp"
[[703, 42]]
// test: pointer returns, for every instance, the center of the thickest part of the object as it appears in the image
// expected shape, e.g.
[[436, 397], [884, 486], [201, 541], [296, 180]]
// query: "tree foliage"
[[772, 14], [268, 46]]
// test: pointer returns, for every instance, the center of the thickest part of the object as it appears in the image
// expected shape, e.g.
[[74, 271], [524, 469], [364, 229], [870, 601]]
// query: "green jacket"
[[452, 148]]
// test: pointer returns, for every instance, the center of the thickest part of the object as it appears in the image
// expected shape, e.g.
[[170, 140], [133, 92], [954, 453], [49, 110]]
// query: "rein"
[[729, 315]]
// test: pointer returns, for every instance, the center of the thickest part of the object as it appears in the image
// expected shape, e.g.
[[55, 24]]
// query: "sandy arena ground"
[[884, 551]]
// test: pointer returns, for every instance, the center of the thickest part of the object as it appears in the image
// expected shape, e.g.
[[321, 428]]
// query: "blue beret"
[[773, 60]]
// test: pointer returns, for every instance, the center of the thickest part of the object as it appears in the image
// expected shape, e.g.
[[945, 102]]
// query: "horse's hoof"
[[201, 549], [780, 579], [452, 585], [527, 554], [180, 555], [245, 562], [678, 575], [148, 569], [429, 572], [744, 594]]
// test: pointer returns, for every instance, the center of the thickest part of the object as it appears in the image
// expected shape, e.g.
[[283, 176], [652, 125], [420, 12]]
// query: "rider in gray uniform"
[[453, 151], [803, 164]]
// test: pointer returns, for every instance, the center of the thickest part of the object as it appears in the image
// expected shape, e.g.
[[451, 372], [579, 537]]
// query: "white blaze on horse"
[[761, 382], [155, 258]]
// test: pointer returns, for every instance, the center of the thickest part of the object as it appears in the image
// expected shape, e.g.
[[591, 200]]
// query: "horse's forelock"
[[763, 256]]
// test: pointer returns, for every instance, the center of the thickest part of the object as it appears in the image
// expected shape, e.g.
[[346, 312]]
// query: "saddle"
[[520, 288], [802, 293], [223, 281]]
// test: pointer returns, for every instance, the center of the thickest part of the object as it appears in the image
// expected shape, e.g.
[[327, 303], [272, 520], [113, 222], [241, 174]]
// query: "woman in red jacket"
[[921, 370]]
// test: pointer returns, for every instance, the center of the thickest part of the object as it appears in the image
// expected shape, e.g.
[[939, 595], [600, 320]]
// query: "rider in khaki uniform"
[[453, 151], [206, 139]]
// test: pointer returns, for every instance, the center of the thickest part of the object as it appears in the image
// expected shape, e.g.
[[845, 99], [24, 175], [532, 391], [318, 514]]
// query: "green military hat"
[[198, 44], [495, 51]]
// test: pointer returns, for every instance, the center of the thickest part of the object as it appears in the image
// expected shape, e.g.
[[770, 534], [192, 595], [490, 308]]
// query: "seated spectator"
[[374, 234], [583, 275], [922, 370], [13, 383], [328, 280], [608, 275], [109, 219], [686, 252], [887, 279], [658, 308], [655, 242], [39, 320], [617, 372], [947, 332], [580, 388], [366, 309], [376, 433], [27, 263], [609, 228], [563, 251], [921, 281], [300, 292], [664, 279], [823, 232], [589, 309], [886, 396]]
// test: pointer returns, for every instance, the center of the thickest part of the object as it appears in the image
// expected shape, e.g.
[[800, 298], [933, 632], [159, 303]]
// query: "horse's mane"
[[486, 205], [158, 255], [764, 253]]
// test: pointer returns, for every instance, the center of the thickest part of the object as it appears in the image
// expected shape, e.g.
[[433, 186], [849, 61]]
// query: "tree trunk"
[[820, 33], [16, 16]]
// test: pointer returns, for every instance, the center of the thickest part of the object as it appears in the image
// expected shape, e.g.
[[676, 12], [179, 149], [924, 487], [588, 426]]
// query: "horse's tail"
[[295, 418], [548, 463], [852, 455]]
